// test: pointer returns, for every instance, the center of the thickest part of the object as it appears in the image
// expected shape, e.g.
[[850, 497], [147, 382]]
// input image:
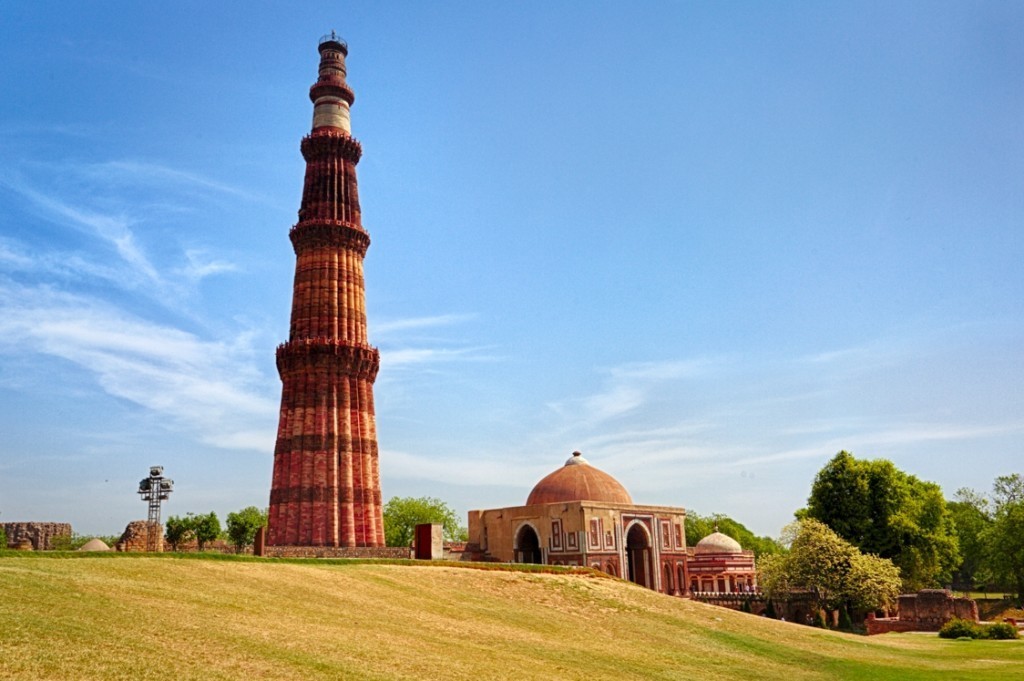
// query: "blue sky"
[[707, 244]]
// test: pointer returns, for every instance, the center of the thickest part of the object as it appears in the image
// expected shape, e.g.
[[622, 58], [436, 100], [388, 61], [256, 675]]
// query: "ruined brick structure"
[[927, 610], [40, 535], [141, 536], [325, 490]]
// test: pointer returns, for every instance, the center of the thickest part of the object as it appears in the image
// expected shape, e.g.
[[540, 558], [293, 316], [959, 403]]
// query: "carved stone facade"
[[580, 515], [39, 535], [325, 490]]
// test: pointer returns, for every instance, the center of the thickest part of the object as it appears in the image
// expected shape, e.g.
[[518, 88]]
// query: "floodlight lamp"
[[156, 471]]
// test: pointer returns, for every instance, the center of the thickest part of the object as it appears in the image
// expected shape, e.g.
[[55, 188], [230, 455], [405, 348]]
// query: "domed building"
[[580, 515], [718, 564]]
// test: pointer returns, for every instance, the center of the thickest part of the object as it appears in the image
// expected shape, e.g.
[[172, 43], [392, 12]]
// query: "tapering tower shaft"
[[326, 482]]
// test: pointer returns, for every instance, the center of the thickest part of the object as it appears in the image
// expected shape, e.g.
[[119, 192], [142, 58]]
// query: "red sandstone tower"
[[326, 483]]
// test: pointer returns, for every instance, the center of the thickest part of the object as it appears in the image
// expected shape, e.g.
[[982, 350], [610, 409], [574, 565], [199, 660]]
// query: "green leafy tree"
[[972, 516], [178, 530], [992, 532], [886, 512], [403, 514], [830, 568], [698, 527], [205, 527], [1004, 541], [243, 525], [3, 538], [773, 578]]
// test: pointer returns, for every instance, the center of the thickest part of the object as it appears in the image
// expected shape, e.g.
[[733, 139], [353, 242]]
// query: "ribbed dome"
[[716, 542], [577, 480]]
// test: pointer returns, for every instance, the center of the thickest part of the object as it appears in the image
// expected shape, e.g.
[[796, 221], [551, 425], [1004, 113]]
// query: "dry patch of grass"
[[150, 618]]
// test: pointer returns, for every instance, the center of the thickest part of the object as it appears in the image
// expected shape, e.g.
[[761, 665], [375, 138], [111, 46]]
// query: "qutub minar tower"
[[326, 482]]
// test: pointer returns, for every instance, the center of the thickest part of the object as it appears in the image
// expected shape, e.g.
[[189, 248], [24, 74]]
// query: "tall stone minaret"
[[326, 483]]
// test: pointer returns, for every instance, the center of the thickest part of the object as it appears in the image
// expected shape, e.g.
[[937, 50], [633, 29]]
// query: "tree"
[[829, 567], [3, 538], [698, 527], [177, 530], [886, 512], [972, 516], [205, 527], [243, 525], [1005, 545], [403, 514]]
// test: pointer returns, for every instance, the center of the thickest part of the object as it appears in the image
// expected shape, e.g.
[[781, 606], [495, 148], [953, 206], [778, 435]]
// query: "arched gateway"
[[528, 546], [638, 556]]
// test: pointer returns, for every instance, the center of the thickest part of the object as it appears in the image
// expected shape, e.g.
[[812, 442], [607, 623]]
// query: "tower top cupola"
[[331, 95]]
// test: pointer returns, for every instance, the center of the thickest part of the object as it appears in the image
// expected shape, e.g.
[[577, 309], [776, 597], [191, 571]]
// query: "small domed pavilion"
[[718, 564], [580, 515]]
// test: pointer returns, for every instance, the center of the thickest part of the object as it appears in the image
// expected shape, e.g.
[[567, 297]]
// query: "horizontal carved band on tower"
[[325, 443], [284, 495], [330, 143], [321, 232], [328, 87], [359, 361]]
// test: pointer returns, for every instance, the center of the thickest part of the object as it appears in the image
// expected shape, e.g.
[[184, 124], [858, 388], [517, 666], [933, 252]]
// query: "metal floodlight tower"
[[154, 489]]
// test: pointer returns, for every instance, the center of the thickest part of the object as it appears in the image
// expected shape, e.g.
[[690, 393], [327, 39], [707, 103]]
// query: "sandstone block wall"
[[927, 610], [141, 536], [40, 535]]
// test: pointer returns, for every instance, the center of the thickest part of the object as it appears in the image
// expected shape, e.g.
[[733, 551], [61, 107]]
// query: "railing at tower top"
[[333, 37]]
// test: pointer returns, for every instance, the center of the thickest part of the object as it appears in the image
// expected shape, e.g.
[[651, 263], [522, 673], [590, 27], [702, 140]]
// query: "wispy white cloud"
[[112, 228], [409, 357], [627, 388], [170, 180], [886, 439], [208, 387], [412, 323], [199, 267]]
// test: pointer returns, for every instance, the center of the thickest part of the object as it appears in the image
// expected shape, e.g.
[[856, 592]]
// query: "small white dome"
[[716, 542]]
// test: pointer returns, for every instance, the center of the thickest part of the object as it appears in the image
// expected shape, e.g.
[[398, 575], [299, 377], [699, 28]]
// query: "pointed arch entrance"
[[638, 556], [527, 546]]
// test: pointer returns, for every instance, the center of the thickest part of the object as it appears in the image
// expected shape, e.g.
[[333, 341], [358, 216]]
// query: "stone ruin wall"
[[927, 610], [41, 535], [136, 537]]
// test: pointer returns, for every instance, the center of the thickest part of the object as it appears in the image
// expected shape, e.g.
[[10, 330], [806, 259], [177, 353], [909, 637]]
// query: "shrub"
[[958, 628], [1001, 631]]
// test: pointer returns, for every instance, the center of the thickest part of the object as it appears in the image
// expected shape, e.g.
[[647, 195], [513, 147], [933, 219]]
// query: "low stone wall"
[[885, 625], [41, 535], [337, 552], [927, 610]]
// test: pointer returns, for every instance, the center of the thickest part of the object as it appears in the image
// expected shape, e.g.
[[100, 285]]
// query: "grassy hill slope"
[[119, 617]]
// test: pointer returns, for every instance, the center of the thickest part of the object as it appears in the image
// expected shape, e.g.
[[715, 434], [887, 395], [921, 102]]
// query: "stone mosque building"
[[580, 515]]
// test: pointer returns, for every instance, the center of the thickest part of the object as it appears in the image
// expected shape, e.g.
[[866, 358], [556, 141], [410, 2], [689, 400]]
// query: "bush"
[[1001, 631], [958, 628]]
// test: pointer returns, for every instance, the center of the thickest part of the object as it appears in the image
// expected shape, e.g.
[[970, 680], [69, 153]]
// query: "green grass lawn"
[[131, 617]]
